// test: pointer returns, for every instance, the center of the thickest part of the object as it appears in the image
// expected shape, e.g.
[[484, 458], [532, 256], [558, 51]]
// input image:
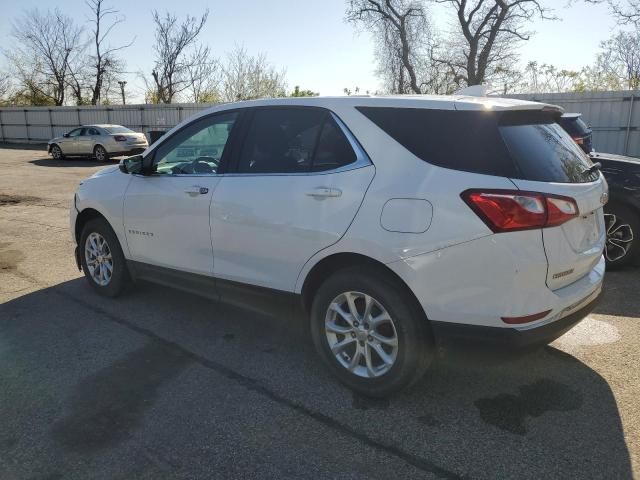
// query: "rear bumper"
[[457, 335]]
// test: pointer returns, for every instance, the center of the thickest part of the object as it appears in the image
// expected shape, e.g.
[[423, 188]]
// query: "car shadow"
[[23, 146], [72, 162], [541, 415]]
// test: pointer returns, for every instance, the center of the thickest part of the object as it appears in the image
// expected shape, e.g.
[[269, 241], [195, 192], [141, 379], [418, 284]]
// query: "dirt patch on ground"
[[17, 199], [9, 259]]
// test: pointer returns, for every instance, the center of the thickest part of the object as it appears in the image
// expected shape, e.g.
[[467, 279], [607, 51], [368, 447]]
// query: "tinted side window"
[[76, 133], [281, 140], [460, 140], [333, 150], [526, 145], [293, 140]]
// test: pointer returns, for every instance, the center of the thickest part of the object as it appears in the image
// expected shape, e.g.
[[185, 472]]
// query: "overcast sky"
[[310, 38]]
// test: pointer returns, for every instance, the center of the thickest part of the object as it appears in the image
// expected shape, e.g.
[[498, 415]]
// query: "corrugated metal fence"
[[39, 124], [614, 117]]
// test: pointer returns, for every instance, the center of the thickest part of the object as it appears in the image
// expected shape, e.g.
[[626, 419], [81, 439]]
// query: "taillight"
[[578, 140], [513, 210], [120, 138]]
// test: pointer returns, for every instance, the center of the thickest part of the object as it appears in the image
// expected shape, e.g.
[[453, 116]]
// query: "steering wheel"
[[199, 165], [207, 159]]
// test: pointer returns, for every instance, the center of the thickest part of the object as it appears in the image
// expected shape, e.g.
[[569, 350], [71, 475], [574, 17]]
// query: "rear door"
[[296, 185], [549, 161]]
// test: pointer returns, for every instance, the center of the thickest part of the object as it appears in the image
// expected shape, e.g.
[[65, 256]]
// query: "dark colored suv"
[[622, 213], [578, 129]]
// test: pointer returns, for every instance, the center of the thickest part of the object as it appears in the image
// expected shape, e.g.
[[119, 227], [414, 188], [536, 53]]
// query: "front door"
[[69, 144], [166, 214], [295, 186]]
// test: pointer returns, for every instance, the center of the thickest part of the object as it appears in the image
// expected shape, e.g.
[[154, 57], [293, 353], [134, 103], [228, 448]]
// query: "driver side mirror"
[[133, 165], [65, 135]]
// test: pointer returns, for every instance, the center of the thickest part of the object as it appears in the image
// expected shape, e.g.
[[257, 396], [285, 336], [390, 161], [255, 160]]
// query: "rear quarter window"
[[460, 140], [521, 145], [574, 126]]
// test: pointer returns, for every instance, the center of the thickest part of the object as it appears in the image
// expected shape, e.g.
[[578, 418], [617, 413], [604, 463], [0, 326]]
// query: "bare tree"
[[46, 45], [623, 54], [545, 78], [173, 42], [5, 85], [625, 11], [401, 30], [204, 76], [246, 77], [488, 36], [105, 63]]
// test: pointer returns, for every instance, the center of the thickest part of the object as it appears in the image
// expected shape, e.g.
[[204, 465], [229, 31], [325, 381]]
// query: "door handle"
[[324, 192], [196, 190]]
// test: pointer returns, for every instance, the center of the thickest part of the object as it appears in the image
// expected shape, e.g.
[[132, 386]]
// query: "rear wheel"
[[56, 152], [100, 153], [623, 225], [103, 262], [367, 329]]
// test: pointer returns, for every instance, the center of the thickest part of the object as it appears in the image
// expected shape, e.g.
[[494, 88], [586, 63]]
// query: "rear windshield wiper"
[[593, 168]]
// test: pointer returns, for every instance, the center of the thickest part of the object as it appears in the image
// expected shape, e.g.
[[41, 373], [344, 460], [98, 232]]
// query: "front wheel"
[[100, 153], [623, 225], [103, 262], [369, 331]]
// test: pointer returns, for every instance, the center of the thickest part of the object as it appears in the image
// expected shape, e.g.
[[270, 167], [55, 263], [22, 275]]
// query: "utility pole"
[[122, 83]]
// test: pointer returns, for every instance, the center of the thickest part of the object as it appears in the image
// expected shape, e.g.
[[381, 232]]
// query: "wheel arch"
[[85, 216], [333, 263]]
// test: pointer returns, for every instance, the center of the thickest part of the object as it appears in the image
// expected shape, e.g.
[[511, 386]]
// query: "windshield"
[[118, 129]]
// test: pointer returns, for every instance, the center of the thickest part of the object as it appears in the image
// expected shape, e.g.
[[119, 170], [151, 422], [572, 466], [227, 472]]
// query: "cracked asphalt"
[[161, 384]]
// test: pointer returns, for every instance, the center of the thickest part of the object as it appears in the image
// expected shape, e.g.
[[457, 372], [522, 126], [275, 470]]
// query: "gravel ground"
[[162, 384]]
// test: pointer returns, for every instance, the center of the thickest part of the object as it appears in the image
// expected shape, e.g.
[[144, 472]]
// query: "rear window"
[[118, 129], [519, 145], [574, 126]]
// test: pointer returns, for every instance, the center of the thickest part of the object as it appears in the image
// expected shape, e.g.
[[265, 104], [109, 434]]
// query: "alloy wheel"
[[619, 237], [101, 154], [98, 258], [56, 152], [361, 334]]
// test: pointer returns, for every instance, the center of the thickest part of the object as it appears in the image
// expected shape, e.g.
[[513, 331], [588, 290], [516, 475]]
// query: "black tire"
[[100, 153], [120, 274], [56, 152], [623, 230], [415, 342]]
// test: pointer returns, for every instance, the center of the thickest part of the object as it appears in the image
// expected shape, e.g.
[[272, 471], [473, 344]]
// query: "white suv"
[[395, 223]]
